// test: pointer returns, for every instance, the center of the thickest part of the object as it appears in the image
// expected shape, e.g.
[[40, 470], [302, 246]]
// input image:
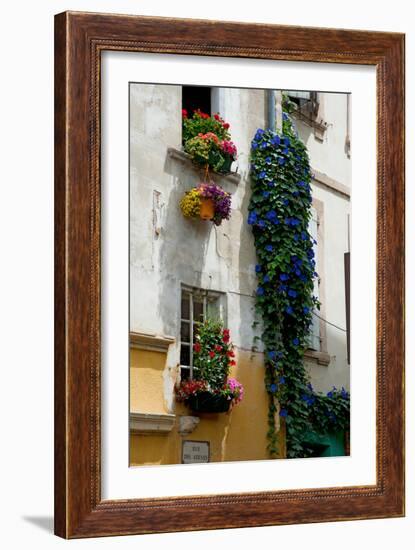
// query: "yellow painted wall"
[[237, 435]]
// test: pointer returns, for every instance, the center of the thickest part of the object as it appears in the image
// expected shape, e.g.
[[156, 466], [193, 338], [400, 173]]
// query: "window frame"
[[206, 294]]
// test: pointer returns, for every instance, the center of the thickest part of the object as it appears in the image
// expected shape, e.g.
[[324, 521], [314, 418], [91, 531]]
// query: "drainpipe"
[[271, 111], [274, 111]]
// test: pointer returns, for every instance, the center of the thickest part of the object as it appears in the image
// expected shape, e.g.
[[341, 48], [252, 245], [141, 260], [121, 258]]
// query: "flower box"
[[207, 402]]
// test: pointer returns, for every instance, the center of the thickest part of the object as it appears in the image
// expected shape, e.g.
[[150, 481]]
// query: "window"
[[197, 97], [307, 103], [196, 306]]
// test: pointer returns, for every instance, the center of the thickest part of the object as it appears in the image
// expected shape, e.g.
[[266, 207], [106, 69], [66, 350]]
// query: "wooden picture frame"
[[79, 40]]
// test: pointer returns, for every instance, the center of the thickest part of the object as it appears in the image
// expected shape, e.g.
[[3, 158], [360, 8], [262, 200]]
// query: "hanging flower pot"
[[207, 209], [208, 201]]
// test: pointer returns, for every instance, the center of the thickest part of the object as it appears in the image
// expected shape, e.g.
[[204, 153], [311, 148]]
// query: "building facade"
[[182, 271]]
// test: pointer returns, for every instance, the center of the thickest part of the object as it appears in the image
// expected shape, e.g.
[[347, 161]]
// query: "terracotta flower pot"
[[207, 209]]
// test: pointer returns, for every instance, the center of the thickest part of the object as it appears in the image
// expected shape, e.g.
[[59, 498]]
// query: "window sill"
[[181, 156], [150, 342], [319, 357], [151, 423]]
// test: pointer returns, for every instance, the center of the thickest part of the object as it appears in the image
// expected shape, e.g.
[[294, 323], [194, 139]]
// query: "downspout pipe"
[[271, 111]]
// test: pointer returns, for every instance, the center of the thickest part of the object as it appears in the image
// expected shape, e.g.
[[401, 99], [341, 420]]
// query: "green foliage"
[[279, 213], [206, 150]]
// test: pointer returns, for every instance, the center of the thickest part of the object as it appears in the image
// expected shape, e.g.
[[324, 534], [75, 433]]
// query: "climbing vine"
[[279, 213]]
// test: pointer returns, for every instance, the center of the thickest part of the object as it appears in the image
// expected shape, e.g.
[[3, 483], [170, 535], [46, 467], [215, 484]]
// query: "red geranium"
[[211, 354], [226, 335], [218, 348], [184, 113], [197, 347]]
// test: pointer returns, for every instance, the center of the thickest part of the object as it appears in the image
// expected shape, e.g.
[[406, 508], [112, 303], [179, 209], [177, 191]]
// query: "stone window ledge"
[[319, 357], [150, 341], [151, 423], [181, 156]]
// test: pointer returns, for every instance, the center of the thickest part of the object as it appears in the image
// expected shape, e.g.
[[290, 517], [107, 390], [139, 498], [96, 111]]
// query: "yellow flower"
[[190, 203]]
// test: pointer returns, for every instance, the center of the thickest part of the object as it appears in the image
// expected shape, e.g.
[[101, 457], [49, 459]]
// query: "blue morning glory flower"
[[306, 310], [283, 413], [281, 380], [266, 279], [297, 272], [262, 175], [281, 160], [303, 277], [296, 193], [275, 140], [269, 248], [301, 183], [264, 145], [259, 133], [295, 221], [272, 355], [304, 236], [268, 160], [289, 310], [271, 215], [265, 194], [286, 202], [258, 268], [296, 341], [282, 288], [292, 293], [262, 224], [260, 291], [254, 145], [344, 393], [273, 388], [252, 218], [310, 253], [285, 151], [296, 237], [310, 387], [284, 277]]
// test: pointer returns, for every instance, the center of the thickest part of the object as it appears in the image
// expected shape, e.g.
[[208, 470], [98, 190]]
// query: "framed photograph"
[[229, 280]]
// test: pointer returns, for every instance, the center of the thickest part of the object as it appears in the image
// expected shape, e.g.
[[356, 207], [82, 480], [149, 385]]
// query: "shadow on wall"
[[182, 246]]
